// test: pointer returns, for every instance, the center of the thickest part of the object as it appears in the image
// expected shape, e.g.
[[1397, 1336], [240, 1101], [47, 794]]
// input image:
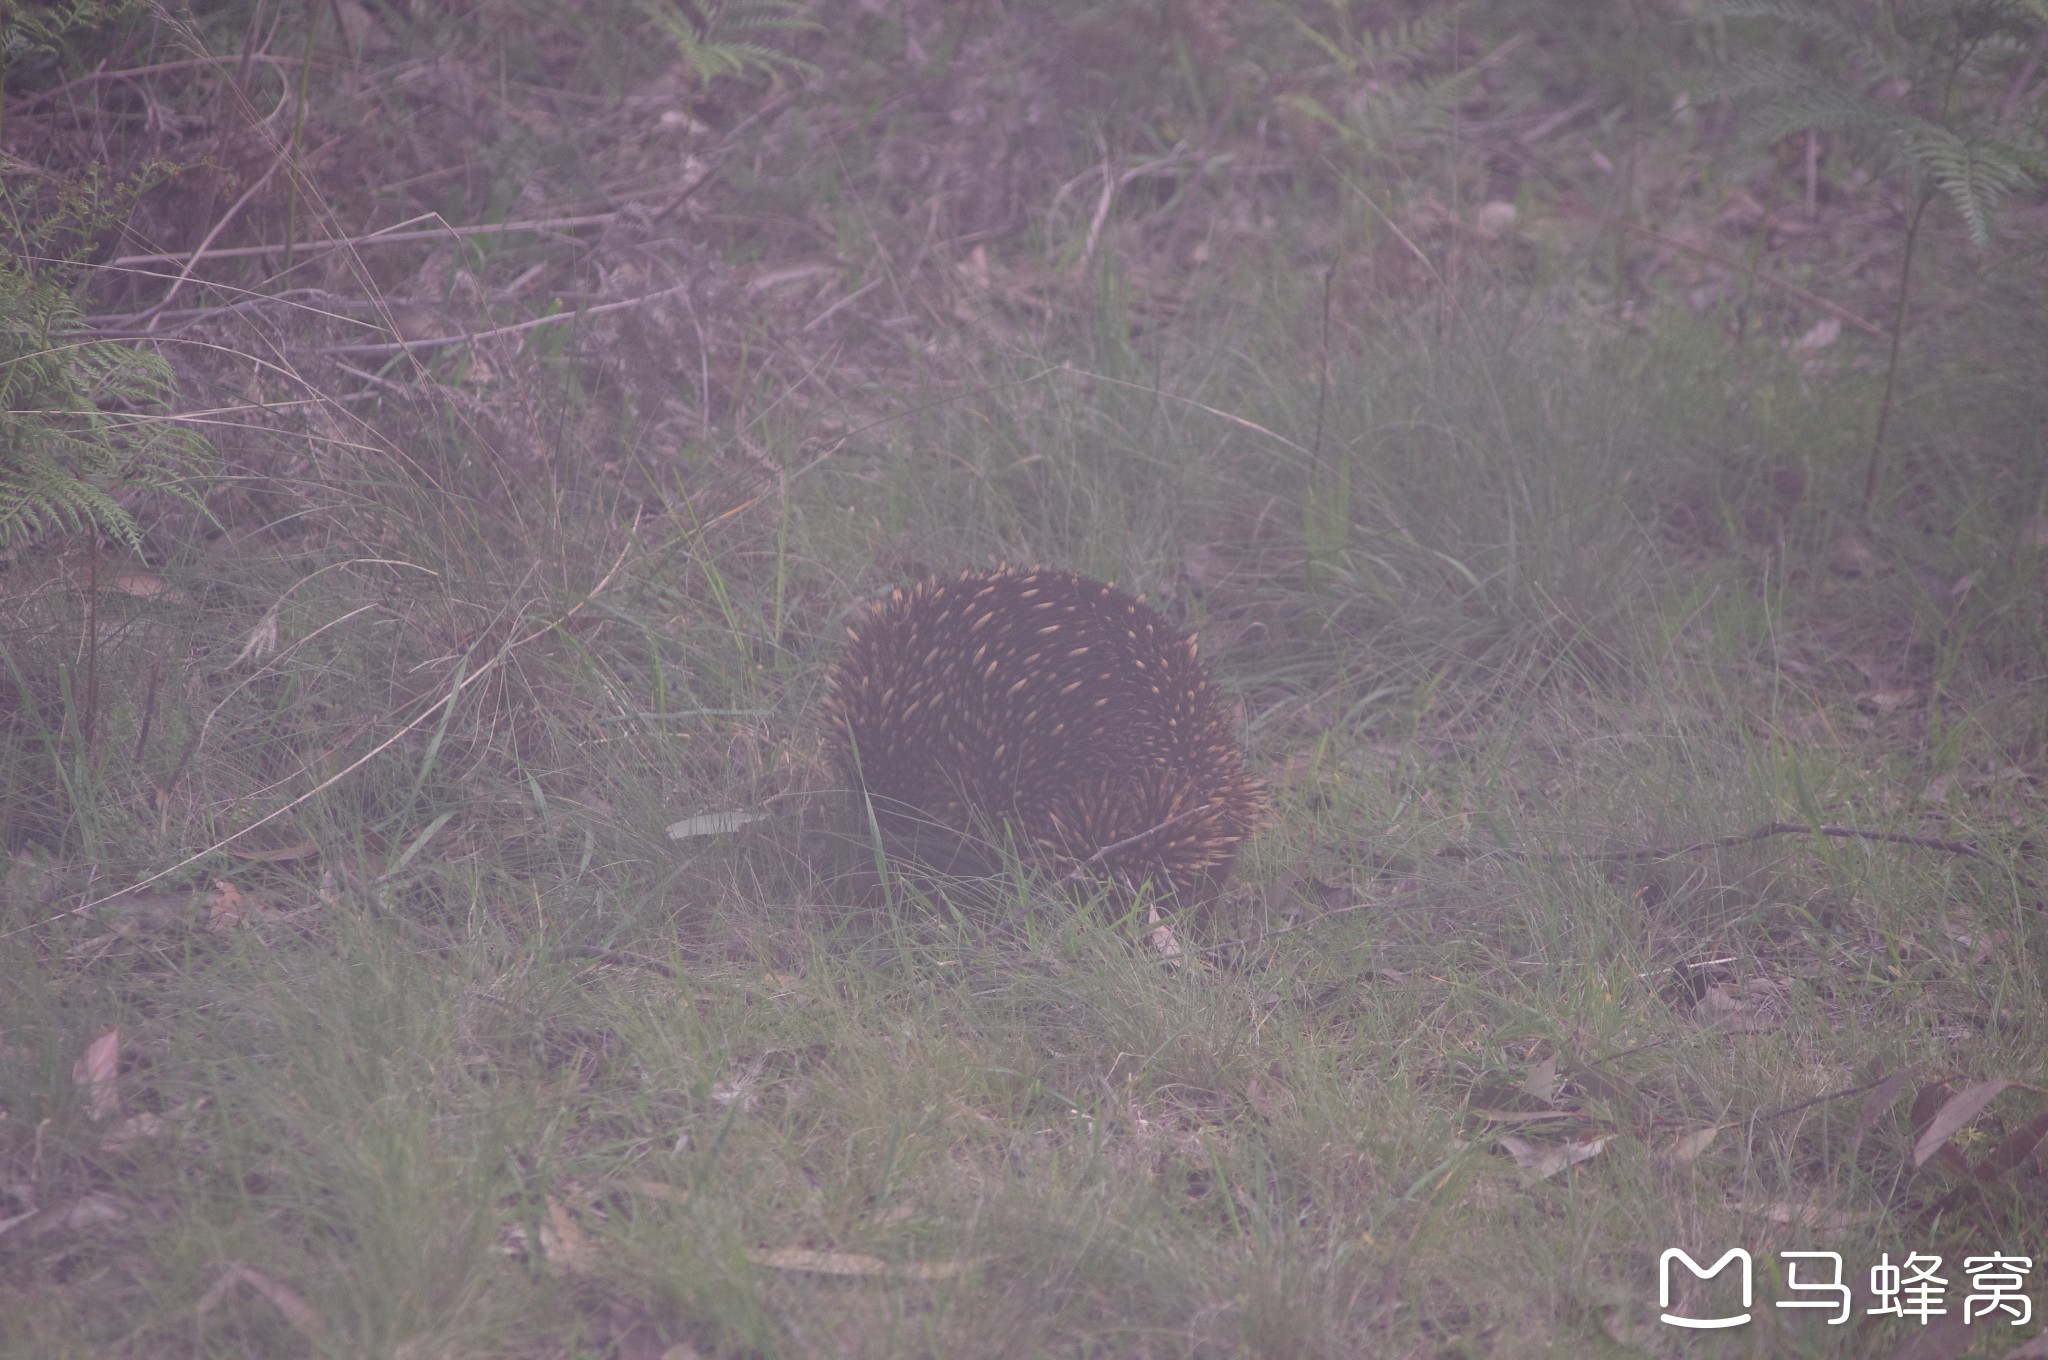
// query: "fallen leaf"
[[661, 1190], [1805, 1215], [1686, 1148], [1541, 1081], [146, 587], [713, 824], [134, 1129], [224, 907], [262, 639], [1851, 556], [87, 1211], [1955, 1112], [1887, 700], [303, 850], [1543, 1160], [1820, 335], [562, 1242], [2015, 1147], [855, 1265], [1876, 1103], [96, 1071], [283, 1298]]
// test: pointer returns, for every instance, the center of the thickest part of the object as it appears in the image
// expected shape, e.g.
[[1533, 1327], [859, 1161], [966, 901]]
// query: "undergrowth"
[[430, 924]]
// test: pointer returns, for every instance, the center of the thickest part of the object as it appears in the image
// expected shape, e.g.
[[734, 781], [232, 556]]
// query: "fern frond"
[[74, 424], [1974, 175], [707, 41]]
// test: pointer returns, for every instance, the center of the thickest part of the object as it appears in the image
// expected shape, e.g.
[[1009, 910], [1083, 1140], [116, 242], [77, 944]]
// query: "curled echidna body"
[[1050, 705]]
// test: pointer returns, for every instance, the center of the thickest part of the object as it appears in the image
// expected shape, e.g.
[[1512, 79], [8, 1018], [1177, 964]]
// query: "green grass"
[[498, 996], [482, 1061]]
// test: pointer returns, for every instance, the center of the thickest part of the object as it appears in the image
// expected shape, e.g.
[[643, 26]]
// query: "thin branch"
[[443, 702], [27, 102], [149, 318], [1764, 832], [1786, 286], [534, 323], [388, 236]]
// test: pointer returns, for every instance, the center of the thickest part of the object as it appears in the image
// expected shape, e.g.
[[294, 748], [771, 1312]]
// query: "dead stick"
[[1764, 832]]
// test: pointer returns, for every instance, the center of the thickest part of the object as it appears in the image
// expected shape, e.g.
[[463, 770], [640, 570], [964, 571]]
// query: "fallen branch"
[[389, 236], [1764, 832], [471, 337], [1786, 286]]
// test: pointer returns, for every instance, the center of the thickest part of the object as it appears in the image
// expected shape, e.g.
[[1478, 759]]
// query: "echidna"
[[1059, 705]]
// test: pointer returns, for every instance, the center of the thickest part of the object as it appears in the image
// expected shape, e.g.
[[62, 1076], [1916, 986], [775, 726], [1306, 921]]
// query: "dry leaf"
[[1820, 335], [1805, 1215], [1887, 700], [562, 1242], [303, 850], [96, 1071], [262, 639], [1162, 940], [819, 1262], [1851, 556], [1876, 1103], [285, 1299], [661, 1190], [1753, 1007], [225, 906], [1541, 1082], [2015, 1147], [1957, 1111], [146, 587], [1686, 1148], [1542, 1161], [87, 1211], [132, 1130], [713, 824], [855, 1265]]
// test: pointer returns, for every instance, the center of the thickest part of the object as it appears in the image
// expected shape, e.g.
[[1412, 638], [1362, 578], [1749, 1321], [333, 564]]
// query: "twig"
[[1811, 299], [855, 296], [27, 102], [149, 318], [534, 323], [1313, 921], [1550, 123], [1109, 188], [377, 238], [1764, 832], [1784, 1110], [443, 702]]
